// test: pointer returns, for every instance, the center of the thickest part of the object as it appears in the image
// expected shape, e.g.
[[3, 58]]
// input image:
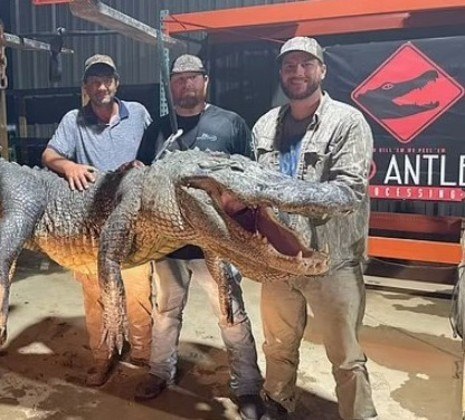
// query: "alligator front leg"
[[115, 244], [220, 271]]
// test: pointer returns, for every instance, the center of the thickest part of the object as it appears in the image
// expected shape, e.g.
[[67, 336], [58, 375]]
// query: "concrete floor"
[[415, 364]]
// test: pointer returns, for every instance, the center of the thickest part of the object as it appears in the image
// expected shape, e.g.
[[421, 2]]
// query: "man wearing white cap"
[[207, 127], [104, 135], [319, 140]]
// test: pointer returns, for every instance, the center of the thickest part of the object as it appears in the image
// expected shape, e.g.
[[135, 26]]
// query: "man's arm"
[[243, 140], [77, 175], [351, 158]]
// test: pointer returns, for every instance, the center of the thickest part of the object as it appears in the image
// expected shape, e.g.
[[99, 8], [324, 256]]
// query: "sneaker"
[[100, 372], [274, 410], [150, 387], [250, 406]]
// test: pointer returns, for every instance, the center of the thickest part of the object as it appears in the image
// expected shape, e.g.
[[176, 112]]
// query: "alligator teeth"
[[326, 248], [264, 239], [299, 256]]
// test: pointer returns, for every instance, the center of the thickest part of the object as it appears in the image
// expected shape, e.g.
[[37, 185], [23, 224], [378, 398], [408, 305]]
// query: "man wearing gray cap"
[[104, 135], [319, 140], [207, 127]]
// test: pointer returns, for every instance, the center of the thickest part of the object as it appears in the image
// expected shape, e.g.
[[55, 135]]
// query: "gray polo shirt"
[[82, 138]]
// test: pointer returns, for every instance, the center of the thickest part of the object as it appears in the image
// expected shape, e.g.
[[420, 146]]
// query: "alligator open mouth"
[[263, 224], [248, 214]]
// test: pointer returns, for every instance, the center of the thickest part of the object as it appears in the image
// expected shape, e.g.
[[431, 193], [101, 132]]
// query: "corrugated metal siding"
[[137, 62]]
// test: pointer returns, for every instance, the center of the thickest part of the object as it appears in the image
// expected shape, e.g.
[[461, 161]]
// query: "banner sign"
[[412, 94]]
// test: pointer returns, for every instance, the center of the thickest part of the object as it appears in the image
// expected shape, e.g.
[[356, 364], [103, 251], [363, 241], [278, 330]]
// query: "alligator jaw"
[[269, 236]]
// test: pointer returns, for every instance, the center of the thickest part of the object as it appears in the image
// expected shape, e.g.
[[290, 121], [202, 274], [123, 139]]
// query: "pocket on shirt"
[[316, 166]]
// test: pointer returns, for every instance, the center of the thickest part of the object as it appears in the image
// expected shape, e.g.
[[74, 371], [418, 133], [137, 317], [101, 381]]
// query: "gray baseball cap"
[[302, 43], [99, 59], [187, 63]]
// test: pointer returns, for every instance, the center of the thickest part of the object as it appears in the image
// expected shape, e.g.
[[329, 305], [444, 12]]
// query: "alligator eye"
[[387, 86]]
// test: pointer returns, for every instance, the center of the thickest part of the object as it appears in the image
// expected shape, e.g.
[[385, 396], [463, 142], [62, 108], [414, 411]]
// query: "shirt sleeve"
[[147, 119], [351, 158], [243, 138], [148, 145], [64, 139]]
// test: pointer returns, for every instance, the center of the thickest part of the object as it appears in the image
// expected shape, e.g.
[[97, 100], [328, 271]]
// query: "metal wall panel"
[[137, 62]]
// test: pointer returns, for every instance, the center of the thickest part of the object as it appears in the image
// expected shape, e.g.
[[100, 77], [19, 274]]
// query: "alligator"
[[226, 204], [381, 102]]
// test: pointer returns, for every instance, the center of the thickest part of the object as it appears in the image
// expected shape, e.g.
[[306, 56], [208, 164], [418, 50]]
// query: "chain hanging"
[[3, 60]]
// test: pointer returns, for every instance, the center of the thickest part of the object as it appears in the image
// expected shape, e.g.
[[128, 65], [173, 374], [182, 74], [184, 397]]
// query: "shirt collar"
[[325, 100], [90, 118]]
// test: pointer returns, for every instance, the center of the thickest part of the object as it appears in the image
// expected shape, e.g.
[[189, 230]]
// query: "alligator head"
[[382, 101], [228, 205]]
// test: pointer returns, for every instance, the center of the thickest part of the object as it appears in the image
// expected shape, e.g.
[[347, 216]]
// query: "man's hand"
[[129, 165], [79, 176]]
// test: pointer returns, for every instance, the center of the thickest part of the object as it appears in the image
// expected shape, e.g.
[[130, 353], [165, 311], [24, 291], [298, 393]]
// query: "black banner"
[[412, 94]]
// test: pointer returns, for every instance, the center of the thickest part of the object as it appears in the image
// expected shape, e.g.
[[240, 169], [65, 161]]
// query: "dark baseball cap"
[[100, 61], [187, 63], [302, 43]]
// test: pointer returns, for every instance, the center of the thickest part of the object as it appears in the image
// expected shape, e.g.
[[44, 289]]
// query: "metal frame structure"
[[98, 12], [323, 17], [14, 41]]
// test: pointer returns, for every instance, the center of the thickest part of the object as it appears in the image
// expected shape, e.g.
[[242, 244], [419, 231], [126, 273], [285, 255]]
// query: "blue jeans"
[[172, 281]]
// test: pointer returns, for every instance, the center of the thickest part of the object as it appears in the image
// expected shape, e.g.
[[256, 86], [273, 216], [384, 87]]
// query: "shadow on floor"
[[43, 369]]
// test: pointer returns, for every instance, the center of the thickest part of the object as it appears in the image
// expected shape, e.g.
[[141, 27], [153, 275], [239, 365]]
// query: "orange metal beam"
[[320, 27], [292, 13], [410, 249], [418, 223], [44, 2]]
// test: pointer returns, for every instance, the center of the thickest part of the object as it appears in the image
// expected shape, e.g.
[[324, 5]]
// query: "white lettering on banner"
[[430, 169], [442, 180], [417, 193], [424, 169], [393, 166], [413, 172], [461, 170]]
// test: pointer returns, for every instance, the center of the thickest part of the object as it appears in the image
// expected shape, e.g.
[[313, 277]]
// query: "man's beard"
[[188, 101], [309, 91]]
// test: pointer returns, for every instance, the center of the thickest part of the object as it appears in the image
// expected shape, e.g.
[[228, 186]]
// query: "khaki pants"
[[138, 290], [338, 304], [172, 280]]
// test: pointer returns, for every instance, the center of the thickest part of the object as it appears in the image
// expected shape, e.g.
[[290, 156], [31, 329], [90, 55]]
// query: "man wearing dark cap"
[[104, 135], [319, 140], [207, 127]]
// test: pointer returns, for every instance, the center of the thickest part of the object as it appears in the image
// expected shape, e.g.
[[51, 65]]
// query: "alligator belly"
[[77, 254]]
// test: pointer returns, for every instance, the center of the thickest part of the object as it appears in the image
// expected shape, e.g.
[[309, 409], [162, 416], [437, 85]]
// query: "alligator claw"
[[3, 334], [115, 327]]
